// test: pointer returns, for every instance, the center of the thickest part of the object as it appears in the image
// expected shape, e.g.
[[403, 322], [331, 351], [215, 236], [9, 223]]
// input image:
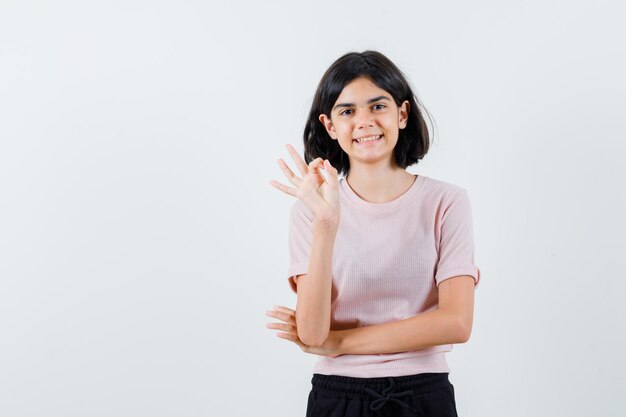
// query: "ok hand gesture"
[[319, 194]]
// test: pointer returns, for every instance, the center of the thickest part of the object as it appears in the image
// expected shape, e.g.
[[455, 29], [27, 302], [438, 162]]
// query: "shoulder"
[[444, 190], [299, 210]]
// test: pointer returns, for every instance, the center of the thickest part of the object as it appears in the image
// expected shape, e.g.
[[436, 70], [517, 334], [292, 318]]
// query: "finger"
[[331, 169], [315, 165], [297, 159], [288, 318], [284, 188], [285, 309], [282, 326], [283, 313], [293, 178], [332, 176], [294, 339]]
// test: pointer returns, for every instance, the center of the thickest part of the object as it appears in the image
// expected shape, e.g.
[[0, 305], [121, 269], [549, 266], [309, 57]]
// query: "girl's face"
[[363, 110]]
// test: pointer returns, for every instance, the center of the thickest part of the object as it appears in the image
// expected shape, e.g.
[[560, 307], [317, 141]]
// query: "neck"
[[379, 184]]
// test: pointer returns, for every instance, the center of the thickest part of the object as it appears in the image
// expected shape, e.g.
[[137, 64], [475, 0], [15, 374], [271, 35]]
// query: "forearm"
[[436, 327], [314, 291]]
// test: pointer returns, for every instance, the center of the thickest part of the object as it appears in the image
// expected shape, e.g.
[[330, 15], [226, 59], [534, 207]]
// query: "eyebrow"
[[371, 100]]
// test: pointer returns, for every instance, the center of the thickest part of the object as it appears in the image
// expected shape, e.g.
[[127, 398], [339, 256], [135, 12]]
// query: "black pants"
[[424, 395]]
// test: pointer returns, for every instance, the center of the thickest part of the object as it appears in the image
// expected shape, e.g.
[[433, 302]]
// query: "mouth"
[[368, 139]]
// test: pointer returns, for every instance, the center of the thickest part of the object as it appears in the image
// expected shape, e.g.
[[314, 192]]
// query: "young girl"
[[381, 260]]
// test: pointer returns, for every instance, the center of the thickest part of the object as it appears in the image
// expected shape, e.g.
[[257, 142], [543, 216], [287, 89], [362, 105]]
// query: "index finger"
[[302, 166], [284, 309]]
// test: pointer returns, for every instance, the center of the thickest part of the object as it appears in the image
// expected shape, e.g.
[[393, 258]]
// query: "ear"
[[403, 114], [328, 124]]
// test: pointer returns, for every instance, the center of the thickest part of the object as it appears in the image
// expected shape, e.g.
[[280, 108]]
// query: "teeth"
[[368, 139]]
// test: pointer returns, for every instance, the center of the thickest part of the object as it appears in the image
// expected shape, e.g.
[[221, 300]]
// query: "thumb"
[[330, 169]]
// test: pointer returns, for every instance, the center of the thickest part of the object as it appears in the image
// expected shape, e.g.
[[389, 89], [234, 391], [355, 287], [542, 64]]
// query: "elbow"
[[311, 332], [464, 337], [313, 340], [464, 332]]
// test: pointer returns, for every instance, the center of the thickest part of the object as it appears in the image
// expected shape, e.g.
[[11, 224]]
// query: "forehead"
[[360, 90]]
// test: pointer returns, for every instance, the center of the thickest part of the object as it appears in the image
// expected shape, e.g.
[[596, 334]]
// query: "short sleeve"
[[456, 240], [300, 241]]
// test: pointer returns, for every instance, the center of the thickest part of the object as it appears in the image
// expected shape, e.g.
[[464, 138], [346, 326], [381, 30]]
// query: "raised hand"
[[321, 195]]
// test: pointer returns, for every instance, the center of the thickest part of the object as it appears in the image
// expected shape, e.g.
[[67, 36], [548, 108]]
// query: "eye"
[[344, 112], [379, 105]]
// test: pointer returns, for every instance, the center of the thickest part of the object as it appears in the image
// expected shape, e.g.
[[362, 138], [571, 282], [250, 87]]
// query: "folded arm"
[[451, 323]]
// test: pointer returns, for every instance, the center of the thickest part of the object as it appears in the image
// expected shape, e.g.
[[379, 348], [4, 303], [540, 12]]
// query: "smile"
[[368, 139]]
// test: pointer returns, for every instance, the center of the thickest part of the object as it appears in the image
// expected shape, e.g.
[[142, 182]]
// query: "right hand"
[[321, 196]]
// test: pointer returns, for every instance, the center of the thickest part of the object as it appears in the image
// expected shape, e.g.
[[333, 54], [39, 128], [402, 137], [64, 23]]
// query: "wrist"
[[326, 225]]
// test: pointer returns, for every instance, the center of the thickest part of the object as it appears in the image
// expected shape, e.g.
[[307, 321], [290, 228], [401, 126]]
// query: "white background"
[[141, 242]]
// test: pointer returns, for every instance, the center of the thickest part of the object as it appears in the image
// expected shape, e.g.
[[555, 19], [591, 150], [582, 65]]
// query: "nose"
[[364, 120]]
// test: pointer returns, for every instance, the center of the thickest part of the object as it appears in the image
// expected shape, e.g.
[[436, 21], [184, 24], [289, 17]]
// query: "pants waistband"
[[360, 388]]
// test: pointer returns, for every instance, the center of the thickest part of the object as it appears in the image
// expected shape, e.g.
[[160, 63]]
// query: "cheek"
[[342, 129], [344, 134], [393, 127]]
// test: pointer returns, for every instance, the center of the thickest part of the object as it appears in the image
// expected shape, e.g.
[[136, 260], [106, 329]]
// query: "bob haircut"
[[413, 140]]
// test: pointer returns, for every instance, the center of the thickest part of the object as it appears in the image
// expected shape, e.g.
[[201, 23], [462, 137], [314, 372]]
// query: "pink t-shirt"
[[388, 260]]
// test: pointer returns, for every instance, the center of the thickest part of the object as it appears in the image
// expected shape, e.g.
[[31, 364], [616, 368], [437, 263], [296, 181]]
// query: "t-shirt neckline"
[[376, 208]]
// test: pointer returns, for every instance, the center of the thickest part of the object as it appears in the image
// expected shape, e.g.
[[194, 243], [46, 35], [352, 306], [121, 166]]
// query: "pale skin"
[[376, 178]]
